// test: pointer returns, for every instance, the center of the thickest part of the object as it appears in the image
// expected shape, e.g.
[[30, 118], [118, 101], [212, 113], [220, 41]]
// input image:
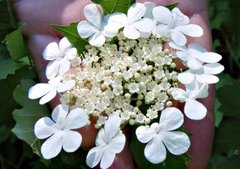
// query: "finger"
[[37, 43], [38, 15]]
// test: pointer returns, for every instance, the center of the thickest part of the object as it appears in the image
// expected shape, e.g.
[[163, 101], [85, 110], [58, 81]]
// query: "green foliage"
[[171, 6], [111, 6], [16, 45], [72, 35], [27, 116]]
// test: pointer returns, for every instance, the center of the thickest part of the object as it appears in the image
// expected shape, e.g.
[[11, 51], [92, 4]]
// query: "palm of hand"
[[36, 26]]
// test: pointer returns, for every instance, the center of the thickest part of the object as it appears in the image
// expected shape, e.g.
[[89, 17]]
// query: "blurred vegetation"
[[17, 73]]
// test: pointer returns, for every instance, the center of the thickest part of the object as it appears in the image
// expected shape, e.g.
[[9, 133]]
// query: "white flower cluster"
[[125, 76]]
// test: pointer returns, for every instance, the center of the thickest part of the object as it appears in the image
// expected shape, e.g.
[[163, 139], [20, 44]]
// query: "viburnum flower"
[[161, 134], [59, 56], [194, 55], [49, 90], [205, 74], [134, 24], [175, 25], [110, 141], [94, 27], [193, 109], [60, 130]]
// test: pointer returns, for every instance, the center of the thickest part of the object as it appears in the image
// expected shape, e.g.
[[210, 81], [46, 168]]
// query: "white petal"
[[144, 25], [52, 146], [71, 140], [135, 12], [64, 44], [186, 77], [85, 29], [44, 128], [194, 110], [176, 142], [197, 90], [163, 31], [97, 39], [77, 118], [48, 97], [59, 113], [65, 86], [93, 15], [107, 159], [70, 54], [162, 15], [178, 38], [52, 69], [101, 138], [210, 57], [51, 51], [179, 17], [193, 63], [131, 32], [64, 66], [213, 68], [112, 125], [182, 55], [38, 90], [171, 119], [117, 20], [155, 151], [196, 49], [174, 46], [144, 134], [149, 7], [205, 78], [179, 94], [117, 143], [191, 30], [94, 156]]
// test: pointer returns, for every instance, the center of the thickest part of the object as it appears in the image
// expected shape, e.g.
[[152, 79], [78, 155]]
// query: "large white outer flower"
[[110, 141], [94, 27], [49, 90], [193, 109], [134, 24], [161, 134], [194, 55], [175, 25], [59, 56], [59, 130]]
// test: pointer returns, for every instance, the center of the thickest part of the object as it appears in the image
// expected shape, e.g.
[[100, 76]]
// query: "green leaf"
[[232, 163], [7, 67], [27, 116], [171, 162], [171, 6], [70, 32], [16, 45], [227, 136], [228, 96], [111, 6]]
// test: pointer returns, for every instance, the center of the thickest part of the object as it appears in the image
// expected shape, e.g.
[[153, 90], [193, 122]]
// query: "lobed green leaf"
[[111, 6]]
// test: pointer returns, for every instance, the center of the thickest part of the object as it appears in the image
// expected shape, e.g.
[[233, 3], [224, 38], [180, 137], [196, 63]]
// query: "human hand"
[[36, 26]]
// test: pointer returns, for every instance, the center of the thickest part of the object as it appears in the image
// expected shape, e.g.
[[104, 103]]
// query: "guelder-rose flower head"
[[59, 56], [59, 130], [161, 135], [110, 141]]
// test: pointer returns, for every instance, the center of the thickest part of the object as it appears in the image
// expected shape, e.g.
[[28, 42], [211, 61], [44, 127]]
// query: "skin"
[[37, 16]]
